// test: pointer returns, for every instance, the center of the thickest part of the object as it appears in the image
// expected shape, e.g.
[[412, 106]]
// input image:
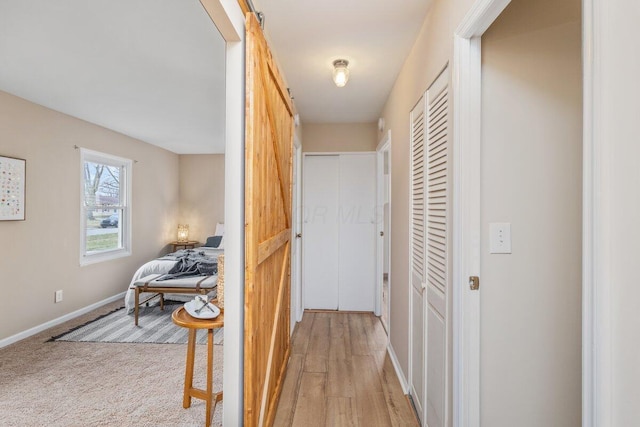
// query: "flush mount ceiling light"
[[340, 72]]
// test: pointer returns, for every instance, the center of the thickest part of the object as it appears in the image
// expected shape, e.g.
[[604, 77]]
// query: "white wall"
[[530, 334], [617, 201]]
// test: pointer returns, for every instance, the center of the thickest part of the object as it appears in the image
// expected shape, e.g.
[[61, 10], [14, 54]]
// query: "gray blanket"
[[190, 262]]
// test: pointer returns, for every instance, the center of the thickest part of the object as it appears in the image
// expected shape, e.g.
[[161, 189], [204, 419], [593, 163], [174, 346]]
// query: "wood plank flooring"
[[340, 374]]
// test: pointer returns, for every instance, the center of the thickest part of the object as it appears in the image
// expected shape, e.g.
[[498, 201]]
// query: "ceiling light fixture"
[[340, 72]]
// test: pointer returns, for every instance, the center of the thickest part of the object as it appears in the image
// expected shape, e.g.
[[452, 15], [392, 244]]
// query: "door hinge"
[[474, 283]]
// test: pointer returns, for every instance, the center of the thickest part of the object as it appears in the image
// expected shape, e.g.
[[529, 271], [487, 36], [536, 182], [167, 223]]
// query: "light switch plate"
[[500, 238]]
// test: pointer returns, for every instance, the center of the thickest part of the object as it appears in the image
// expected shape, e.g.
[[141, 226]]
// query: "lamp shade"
[[183, 233], [340, 72]]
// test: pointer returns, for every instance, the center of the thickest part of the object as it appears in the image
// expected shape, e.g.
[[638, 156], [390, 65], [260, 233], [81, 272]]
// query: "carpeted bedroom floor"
[[99, 384]]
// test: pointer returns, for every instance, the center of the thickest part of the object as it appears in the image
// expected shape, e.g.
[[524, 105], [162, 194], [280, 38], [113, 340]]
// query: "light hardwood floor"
[[340, 374]]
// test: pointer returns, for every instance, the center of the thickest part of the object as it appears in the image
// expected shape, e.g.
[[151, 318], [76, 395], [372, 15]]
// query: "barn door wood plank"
[[268, 247], [268, 178], [272, 346], [274, 132]]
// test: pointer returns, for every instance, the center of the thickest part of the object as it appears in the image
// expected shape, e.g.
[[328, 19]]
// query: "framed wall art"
[[12, 188]]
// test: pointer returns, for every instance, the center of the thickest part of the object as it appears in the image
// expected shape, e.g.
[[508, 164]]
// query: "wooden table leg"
[[181, 318], [209, 375], [188, 375]]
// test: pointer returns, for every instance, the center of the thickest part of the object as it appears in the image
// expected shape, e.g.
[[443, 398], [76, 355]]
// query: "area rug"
[[154, 326]]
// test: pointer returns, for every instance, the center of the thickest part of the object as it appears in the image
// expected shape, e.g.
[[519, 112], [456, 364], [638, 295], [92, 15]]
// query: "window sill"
[[103, 256]]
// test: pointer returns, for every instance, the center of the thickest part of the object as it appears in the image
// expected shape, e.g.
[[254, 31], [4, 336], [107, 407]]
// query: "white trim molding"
[[466, 234], [596, 298], [466, 208], [480, 17], [55, 322], [396, 365]]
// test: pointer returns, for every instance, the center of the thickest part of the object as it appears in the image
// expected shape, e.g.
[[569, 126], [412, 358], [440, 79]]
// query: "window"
[[105, 207]]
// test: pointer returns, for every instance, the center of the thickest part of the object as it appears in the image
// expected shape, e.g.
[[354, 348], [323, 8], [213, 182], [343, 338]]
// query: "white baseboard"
[[394, 359], [29, 332]]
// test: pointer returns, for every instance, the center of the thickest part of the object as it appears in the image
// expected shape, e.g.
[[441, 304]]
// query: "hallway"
[[340, 374]]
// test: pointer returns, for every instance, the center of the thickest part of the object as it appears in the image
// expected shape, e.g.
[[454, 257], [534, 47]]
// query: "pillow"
[[219, 230], [221, 245], [213, 242]]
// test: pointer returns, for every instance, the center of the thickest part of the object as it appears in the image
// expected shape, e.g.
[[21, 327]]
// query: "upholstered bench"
[[184, 285]]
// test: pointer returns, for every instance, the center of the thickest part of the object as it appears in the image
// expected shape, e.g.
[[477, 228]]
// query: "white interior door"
[[357, 248], [438, 284], [321, 232], [339, 232], [417, 259]]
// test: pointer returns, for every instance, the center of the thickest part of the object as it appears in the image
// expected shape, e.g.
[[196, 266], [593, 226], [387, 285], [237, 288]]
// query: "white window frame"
[[125, 250]]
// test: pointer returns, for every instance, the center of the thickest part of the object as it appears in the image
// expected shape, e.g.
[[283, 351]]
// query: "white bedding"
[[160, 266]]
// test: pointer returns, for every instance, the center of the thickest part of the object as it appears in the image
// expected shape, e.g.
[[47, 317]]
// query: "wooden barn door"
[[268, 169]]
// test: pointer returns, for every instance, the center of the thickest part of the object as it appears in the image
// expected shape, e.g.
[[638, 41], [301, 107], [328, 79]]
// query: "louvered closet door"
[[417, 259], [438, 148]]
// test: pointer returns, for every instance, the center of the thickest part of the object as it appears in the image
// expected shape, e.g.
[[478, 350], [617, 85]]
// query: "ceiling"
[[154, 69], [375, 36], [150, 69]]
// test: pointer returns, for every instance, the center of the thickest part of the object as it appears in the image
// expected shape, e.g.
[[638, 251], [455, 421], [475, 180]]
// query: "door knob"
[[381, 233], [299, 235], [474, 283]]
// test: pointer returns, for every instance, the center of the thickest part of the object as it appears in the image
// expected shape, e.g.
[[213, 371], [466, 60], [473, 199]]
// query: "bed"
[[147, 282]]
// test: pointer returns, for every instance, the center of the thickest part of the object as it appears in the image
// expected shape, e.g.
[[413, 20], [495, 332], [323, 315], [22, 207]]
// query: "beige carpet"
[[70, 384]]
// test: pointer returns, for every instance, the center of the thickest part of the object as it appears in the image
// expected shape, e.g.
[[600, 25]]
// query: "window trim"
[[126, 229]]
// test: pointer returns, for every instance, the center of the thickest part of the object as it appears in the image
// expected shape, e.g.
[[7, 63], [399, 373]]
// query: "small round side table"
[[181, 318]]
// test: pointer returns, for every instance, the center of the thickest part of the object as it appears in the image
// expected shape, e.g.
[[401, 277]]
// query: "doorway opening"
[[472, 213]]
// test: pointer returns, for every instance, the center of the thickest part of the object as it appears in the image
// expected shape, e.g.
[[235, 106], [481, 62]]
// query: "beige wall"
[[41, 255], [431, 52], [339, 137], [201, 194], [532, 178]]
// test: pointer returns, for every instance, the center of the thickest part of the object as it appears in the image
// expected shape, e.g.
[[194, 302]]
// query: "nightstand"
[[186, 245]]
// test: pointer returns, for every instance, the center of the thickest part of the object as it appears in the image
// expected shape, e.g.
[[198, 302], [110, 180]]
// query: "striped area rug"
[[154, 326]]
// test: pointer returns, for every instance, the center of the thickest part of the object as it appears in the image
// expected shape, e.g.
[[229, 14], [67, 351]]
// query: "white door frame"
[[296, 228], [597, 370], [229, 19], [383, 146], [467, 88], [419, 407]]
